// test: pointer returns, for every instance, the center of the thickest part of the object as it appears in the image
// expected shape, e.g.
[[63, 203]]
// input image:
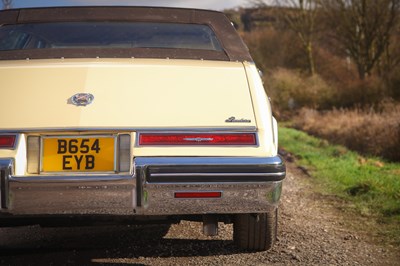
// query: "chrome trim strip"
[[215, 179], [208, 161], [66, 179], [217, 174], [198, 139], [207, 184], [126, 129]]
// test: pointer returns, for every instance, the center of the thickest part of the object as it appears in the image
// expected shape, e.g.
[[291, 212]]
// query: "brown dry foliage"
[[290, 90], [272, 48], [375, 132]]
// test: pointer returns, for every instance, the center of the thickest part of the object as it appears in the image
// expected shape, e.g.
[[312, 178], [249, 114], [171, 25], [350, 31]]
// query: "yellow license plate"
[[80, 154]]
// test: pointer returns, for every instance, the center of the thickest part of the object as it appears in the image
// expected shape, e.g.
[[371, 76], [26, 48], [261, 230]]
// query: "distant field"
[[369, 185]]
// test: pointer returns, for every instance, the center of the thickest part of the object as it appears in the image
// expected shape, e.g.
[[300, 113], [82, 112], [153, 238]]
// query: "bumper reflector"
[[197, 139], [7, 141], [197, 195]]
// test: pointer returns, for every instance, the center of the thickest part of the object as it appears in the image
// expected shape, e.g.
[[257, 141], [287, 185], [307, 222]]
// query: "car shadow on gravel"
[[149, 248], [100, 245]]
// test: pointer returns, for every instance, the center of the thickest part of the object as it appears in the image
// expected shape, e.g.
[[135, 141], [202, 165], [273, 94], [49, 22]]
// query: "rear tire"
[[255, 232]]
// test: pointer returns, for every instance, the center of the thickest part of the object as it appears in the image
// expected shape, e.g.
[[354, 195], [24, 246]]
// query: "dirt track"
[[311, 232]]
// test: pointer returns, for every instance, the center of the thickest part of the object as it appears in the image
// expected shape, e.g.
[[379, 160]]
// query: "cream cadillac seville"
[[135, 115]]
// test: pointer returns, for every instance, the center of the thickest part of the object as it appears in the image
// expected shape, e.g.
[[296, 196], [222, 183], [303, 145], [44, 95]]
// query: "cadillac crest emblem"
[[82, 99]]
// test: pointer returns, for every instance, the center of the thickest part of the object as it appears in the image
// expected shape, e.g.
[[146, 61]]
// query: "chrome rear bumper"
[[246, 185]]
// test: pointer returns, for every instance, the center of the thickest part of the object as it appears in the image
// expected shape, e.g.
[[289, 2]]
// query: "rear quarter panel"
[[267, 141]]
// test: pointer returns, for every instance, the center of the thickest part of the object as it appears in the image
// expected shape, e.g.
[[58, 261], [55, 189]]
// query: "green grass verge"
[[369, 184]]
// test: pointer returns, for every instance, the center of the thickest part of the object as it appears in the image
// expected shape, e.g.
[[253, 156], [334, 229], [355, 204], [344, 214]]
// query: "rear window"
[[107, 35]]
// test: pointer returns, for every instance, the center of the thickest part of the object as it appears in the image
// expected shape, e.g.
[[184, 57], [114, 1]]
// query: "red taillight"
[[197, 195], [197, 139], [7, 141]]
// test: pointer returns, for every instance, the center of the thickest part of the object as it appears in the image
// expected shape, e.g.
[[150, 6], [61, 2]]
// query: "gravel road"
[[312, 231]]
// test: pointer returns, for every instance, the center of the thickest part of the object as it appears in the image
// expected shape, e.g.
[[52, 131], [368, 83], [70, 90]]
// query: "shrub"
[[393, 83], [334, 68], [361, 93], [341, 73], [291, 91], [374, 131]]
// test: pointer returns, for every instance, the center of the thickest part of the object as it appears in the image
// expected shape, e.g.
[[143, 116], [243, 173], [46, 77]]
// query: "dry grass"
[[375, 132]]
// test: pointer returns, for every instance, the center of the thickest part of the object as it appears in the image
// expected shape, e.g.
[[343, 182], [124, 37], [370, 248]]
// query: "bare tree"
[[302, 21], [7, 4], [363, 28], [390, 59], [299, 16]]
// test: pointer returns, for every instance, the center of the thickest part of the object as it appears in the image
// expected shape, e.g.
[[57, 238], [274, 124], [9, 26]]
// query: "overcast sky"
[[204, 4]]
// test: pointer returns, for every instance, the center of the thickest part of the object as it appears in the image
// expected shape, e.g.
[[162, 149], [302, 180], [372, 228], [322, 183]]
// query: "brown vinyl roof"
[[232, 44]]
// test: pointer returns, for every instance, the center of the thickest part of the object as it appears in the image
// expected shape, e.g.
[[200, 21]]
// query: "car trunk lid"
[[128, 93]]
